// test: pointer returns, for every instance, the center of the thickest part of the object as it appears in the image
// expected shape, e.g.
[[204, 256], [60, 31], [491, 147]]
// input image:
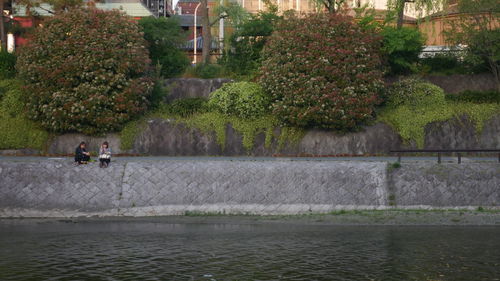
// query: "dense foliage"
[[85, 71], [205, 71], [241, 99], [322, 71], [7, 65], [444, 64], [402, 47], [478, 30], [413, 104], [164, 36], [410, 122], [17, 131], [475, 96], [414, 92], [243, 57], [186, 107]]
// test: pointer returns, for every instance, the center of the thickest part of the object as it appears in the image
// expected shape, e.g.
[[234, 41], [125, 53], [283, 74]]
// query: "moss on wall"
[[409, 122], [216, 122]]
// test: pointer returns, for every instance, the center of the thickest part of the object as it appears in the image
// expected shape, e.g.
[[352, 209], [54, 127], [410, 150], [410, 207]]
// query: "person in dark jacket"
[[81, 154]]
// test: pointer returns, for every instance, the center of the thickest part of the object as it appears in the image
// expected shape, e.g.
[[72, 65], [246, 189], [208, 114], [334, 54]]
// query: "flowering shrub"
[[322, 71], [414, 92], [241, 99], [86, 71]]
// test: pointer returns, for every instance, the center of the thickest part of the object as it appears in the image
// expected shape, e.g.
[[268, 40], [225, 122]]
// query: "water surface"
[[163, 250]]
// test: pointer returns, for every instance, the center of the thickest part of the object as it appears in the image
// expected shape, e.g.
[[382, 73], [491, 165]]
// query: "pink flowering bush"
[[322, 71], [85, 70]]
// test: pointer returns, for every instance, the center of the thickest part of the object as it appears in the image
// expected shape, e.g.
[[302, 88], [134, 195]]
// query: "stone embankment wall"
[[181, 88], [165, 137], [149, 188]]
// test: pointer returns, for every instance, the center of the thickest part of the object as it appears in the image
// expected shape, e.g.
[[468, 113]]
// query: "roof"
[[188, 20], [189, 45], [132, 8]]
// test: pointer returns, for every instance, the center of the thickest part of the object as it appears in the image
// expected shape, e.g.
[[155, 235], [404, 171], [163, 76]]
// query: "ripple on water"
[[163, 251]]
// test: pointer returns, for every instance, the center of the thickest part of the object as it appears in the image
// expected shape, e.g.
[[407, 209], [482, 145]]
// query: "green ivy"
[[130, 132], [410, 121], [17, 131], [291, 135], [208, 122]]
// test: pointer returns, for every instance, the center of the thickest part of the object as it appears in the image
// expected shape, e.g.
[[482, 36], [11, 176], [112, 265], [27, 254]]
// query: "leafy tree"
[[402, 47], [246, 43], [478, 29], [164, 36], [331, 6], [322, 70], [85, 70], [227, 10], [424, 7]]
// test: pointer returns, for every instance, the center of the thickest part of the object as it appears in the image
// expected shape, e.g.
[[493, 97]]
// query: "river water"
[[165, 250]]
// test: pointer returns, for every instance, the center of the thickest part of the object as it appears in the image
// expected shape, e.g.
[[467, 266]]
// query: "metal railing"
[[443, 151]]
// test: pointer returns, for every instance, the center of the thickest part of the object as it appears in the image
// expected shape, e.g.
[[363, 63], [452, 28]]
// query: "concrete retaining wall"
[[181, 88], [165, 137], [146, 188]]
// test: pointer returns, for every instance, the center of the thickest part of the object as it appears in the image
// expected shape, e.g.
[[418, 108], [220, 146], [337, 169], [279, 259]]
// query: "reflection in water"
[[100, 250]]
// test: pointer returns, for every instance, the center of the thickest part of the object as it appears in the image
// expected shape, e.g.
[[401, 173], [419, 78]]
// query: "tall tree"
[[225, 10], [164, 38], [206, 32], [331, 6], [424, 7], [3, 34], [478, 29]]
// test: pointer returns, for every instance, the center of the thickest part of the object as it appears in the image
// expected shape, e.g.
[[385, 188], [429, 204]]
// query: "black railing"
[[442, 151]]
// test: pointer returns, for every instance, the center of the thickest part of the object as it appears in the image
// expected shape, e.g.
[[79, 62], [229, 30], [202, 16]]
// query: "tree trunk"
[[401, 13], [3, 35], [206, 33], [495, 70], [329, 6]]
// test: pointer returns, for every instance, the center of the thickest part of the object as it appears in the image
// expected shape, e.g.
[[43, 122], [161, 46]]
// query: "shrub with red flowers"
[[322, 71], [85, 70]]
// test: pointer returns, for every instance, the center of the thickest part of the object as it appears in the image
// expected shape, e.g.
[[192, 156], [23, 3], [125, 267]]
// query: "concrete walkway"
[[390, 159]]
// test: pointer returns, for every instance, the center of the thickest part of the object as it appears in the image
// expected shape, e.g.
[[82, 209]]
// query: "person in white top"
[[104, 155]]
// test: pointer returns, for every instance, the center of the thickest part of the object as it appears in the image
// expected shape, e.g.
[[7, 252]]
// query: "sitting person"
[[81, 154], [104, 155]]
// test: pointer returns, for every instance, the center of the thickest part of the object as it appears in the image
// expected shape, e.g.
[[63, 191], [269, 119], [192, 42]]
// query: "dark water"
[[100, 250]]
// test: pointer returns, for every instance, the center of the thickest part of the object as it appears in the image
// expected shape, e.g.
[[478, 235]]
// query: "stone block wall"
[[149, 188], [181, 88]]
